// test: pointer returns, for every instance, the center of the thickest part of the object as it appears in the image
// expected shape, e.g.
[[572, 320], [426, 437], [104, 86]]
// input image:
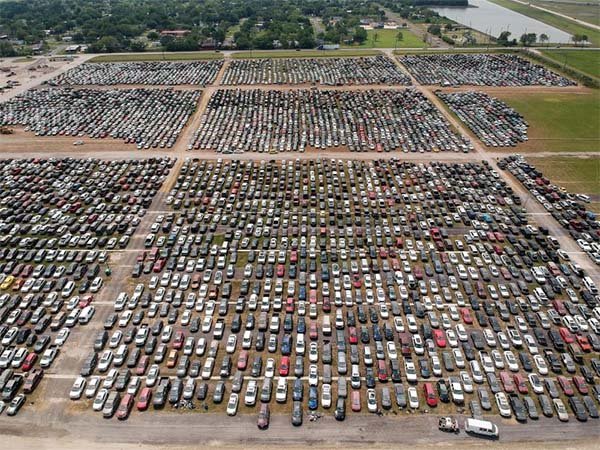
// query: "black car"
[[297, 413], [340, 409], [578, 409], [518, 407]]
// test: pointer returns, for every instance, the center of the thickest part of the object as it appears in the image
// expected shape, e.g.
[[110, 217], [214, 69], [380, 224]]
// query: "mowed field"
[[387, 39], [580, 175], [587, 61], [566, 122], [585, 10]]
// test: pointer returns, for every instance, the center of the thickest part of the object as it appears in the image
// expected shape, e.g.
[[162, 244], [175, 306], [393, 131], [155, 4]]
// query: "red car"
[[29, 362], [144, 401], [356, 281], [140, 369], [179, 340], [289, 305], [507, 382], [313, 331], [284, 366], [312, 296], [521, 384], [466, 316], [280, 270], [125, 407], [579, 383], [85, 300], [356, 401], [352, 335], [584, 343], [565, 385], [326, 304], [430, 394], [440, 338], [566, 335], [382, 374], [242, 362]]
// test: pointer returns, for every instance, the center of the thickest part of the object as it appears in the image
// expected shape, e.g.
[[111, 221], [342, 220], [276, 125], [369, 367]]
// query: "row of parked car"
[[326, 71], [493, 121], [567, 208], [480, 69], [148, 118], [258, 120], [56, 216], [171, 73], [334, 274]]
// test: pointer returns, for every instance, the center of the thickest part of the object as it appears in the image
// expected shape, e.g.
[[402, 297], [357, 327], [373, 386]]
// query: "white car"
[[232, 404], [410, 370], [503, 405], [313, 375], [561, 411], [231, 343], [281, 390], [270, 368], [391, 350], [78, 388], [540, 364], [371, 400], [326, 396], [100, 399], [92, 386], [413, 397], [251, 392]]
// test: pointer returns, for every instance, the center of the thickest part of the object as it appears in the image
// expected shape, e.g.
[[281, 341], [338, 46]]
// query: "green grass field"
[[175, 56], [583, 11], [586, 61], [304, 53], [558, 121], [564, 24], [387, 39], [575, 174]]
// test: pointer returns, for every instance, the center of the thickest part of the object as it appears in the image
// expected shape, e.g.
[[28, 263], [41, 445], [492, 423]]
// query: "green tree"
[[6, 49], [137, 46], [435, 30], [544, 38], [399, 38], [360, 35], [375, 38], [528, 39], [153, 35]]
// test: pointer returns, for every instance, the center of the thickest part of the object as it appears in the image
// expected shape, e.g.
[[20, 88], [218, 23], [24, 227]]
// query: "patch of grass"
[[578, 175], [387, 39], [564, 24], [587, 61], [586, 12], [303, 53], [558, 121], [177, 56]]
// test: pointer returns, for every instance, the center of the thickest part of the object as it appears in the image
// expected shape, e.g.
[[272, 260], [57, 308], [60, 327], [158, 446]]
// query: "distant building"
[[208, 44], [73, 48], [329, 47], [175, 33], [67, 38]]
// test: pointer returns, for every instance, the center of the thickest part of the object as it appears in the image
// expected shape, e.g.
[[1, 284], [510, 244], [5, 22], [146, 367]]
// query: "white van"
[[481, 428], [590, 285], [86, 314]]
